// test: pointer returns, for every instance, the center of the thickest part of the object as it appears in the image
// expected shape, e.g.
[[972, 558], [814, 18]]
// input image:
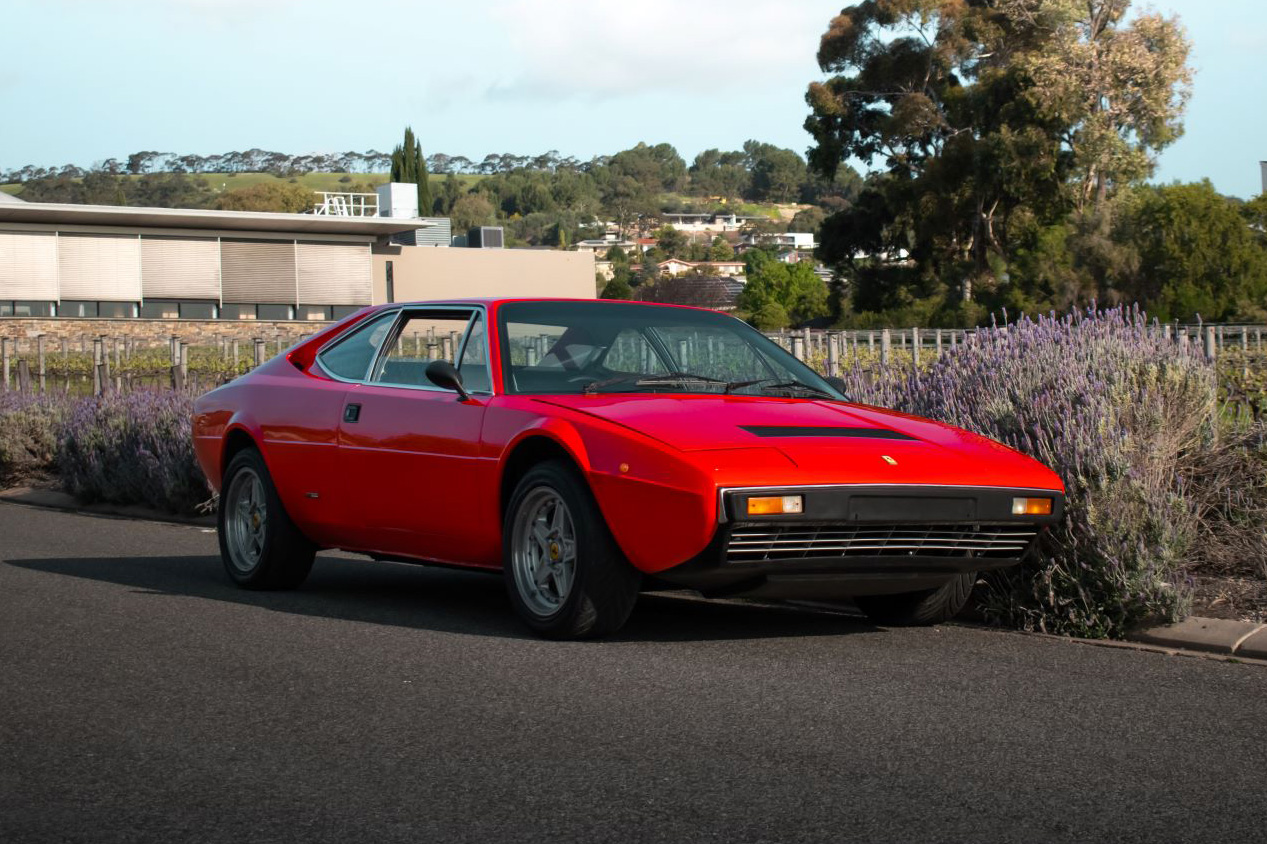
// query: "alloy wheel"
[[246, 520], [543, 551]]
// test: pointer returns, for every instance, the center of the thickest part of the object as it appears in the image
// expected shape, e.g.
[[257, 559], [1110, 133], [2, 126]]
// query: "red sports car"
[[588, 449]]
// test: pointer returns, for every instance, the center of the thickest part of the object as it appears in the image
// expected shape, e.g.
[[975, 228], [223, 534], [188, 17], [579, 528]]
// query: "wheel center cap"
[[554, 550], [255, 520]]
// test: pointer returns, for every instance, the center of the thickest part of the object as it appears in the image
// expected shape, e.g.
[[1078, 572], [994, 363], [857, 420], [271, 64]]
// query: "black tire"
[[919, 609], [285, 555], [603, 585]]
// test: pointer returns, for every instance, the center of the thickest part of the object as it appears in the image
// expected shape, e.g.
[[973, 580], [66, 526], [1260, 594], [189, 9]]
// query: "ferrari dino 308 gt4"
[[589, 449]]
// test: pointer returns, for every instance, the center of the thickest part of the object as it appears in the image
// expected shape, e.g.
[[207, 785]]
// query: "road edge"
[[55, 499], [1227, 639]]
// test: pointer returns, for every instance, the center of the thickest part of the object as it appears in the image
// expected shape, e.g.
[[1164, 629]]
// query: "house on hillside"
[[601, 246], [678, 266], [793, 247], [708, 222]]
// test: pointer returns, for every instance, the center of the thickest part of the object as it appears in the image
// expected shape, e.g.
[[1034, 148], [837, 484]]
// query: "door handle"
[[352, 413]]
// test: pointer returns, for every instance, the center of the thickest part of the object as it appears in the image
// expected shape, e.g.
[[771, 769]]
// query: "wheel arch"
[[236, 440], [533, 448]]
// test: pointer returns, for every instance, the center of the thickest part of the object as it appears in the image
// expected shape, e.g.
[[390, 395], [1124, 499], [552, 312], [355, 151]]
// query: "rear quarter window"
[[351, 355]]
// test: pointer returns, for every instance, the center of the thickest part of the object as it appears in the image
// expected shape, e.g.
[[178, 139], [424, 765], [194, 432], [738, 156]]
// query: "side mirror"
[[444, 374], [839, 385]]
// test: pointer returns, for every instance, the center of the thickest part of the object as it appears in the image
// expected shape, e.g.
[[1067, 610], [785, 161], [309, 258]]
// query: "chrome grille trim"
[[750, 543]]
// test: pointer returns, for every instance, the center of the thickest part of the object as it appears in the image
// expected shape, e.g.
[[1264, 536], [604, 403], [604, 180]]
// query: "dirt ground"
[[1230, 597]]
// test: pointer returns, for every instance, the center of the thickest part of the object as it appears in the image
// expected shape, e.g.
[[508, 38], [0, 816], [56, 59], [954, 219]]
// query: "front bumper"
[[862, 540]]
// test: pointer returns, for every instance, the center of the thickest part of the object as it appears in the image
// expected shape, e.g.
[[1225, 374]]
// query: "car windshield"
[[607, 347]]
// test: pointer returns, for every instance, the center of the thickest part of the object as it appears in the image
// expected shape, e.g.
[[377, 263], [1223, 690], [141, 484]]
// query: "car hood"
[[841, 441]]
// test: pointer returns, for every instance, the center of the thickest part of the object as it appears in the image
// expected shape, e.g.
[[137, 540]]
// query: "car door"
[[410, 449], [301, 431]]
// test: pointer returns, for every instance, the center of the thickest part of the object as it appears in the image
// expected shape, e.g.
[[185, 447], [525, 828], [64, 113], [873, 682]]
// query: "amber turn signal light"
[[775, 505], [1031, 506]]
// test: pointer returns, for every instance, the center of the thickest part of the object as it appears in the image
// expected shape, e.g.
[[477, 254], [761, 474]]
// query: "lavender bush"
[[132, 449], [29, 428], [1131, 422]]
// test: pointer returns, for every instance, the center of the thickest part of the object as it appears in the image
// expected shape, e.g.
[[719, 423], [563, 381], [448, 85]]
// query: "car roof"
[[501, 300]]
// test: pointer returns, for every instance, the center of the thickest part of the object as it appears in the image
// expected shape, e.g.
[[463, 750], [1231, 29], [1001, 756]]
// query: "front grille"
[[755, 543]]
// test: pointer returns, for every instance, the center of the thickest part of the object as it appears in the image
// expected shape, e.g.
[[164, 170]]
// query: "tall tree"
[[1116, 87], [409, 166], [988, 119], [777, 174]]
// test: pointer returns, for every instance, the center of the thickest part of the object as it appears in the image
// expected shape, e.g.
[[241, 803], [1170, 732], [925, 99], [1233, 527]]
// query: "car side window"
[[423, 337], [350, 357], [474, 365]]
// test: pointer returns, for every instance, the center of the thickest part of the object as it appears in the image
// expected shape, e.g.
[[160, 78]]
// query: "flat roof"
[[54, 213]]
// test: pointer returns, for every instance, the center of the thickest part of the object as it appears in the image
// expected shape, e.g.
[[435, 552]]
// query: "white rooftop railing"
[[339, 204]]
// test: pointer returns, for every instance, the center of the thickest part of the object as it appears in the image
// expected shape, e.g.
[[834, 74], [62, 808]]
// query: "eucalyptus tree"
[[984, 120]]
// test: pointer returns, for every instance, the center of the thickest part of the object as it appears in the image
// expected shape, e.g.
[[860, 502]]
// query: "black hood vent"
[[817, 431]]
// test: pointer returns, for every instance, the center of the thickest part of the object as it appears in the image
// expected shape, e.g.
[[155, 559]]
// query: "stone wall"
[[149, 332]]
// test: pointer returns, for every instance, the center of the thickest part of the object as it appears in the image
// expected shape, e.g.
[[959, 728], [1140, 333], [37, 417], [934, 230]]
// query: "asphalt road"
[[144, 698]]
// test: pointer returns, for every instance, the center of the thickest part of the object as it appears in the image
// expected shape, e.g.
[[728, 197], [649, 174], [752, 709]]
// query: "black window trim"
[[343, 335], [398, 326], [398, 312]]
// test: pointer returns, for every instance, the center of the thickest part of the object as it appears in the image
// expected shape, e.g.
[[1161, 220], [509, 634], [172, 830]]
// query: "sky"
[[86, 80]]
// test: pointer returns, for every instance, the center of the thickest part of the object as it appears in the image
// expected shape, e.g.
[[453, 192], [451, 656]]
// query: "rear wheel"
[[913, 609], [565, 575], [259, 544]]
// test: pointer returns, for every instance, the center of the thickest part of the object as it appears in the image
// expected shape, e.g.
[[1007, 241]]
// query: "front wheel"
[[565, 575], [259, 544], [914, 609]]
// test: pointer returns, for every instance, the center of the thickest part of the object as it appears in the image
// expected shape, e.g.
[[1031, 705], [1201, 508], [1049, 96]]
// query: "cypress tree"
[[409, 166]]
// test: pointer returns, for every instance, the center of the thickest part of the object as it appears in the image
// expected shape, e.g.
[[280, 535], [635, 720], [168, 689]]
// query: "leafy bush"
[[1131, 422], [133, 449], [29, 428]]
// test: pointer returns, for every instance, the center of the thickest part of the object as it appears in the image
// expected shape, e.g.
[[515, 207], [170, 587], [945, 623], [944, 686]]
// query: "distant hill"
[[221, 182]]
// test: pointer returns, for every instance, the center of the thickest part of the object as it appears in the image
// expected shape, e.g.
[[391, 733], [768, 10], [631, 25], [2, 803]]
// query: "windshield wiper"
[[639, 380], [796, 386]]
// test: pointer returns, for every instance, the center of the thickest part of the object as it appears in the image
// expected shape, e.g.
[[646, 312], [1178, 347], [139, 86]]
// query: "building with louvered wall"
[[98, 261]]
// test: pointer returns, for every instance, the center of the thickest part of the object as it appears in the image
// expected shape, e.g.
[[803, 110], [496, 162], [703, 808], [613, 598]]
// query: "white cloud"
[[587, 49]]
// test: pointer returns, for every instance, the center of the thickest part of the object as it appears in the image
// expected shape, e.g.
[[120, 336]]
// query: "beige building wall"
[[421, 273]]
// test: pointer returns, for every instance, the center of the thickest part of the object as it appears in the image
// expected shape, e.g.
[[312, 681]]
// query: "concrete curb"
[[1210, 638], [57, 500], [1225, 637]]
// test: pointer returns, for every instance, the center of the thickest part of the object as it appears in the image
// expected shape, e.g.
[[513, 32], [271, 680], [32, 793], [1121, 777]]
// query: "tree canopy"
[[778, 294], [987, 123]]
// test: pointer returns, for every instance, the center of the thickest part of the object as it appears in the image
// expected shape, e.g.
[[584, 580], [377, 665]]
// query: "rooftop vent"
[[486, 237]]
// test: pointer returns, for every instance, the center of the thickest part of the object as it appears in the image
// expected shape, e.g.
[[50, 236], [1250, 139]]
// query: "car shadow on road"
[[447, 600]]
